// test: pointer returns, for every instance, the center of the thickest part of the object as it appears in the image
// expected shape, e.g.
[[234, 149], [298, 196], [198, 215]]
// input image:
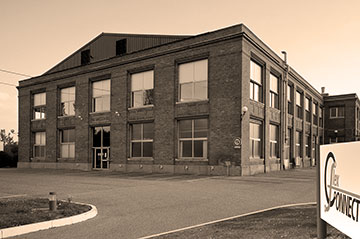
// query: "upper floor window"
[[67, 143], [121, 47], [101, 96], [307, 109], [255, 81], [274, 91], [85, 57], [315, 113], [39, 106], [39, 145], [142, 137], [67, 105], [193, 80], [274, 141], [299, 104], [142, 89], [255, 140], [193, 136], [289, 99], [337, 112], [321, 117]]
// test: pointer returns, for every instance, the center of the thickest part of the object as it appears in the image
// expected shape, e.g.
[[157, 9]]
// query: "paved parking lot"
[[134, 205]]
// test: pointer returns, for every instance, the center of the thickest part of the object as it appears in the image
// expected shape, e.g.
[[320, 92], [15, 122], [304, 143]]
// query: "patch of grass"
[[294, 222], [21, 211]]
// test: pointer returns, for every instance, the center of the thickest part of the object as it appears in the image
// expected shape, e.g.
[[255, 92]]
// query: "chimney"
[[323, 90]]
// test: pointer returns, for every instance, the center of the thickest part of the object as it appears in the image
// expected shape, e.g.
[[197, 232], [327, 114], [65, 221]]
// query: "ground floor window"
[[298, 144], [67, 143], [39, 145], [193, 137], [255, 140], [307, 146], [142, 137], [274, 139]]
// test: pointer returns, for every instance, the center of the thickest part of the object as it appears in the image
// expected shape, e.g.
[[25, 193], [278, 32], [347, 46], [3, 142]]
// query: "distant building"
[[342, 118], [217, 103]]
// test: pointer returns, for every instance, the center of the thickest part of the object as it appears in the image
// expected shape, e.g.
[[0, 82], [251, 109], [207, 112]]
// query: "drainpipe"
[[284, 110]]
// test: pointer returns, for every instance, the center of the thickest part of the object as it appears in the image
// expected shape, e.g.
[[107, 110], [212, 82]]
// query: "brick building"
[[342, 118], [217, 103]]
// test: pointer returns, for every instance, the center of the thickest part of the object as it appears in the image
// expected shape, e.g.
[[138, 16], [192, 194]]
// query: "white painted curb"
[[226, 219], [15, 231]]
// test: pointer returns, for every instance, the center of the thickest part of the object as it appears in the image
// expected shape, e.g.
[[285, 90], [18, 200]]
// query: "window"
[[274, 91], [193, 78], [307, 109], [288, 144], [142, 137], [39, 145], [67, 143], [121, 47], [67, 106], [142, 89], [39, 106], [274, 139], [255, 81], [315, 113], [337, 112], [255, 140], [298, 143], [307, 146], [289, 99], [314, 147], [321, 117], [193, 136], [85, 57], [299, 105], [101, 96]]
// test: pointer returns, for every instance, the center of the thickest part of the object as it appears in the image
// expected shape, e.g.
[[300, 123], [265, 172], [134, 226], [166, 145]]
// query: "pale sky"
[[321, 37]]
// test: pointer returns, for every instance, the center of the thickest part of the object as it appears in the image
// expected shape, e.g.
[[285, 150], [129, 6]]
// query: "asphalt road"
[[133, 205]]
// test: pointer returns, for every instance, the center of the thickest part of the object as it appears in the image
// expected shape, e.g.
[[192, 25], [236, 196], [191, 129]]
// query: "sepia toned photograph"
[[179, 119]]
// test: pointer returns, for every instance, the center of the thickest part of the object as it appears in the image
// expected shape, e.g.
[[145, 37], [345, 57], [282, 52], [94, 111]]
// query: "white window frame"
[[141, 140], [337, 112], [193, 81], [255, 85], [143, 88], [298, 145], [70, 92], [106, 93], [41, 105], [253, 140], [274, 141], [274, 93], [193, 139], [69, 145], [41, 144]]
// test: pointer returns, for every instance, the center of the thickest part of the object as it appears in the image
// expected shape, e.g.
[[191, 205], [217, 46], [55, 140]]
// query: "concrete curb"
[[15, 231], [226, 219]]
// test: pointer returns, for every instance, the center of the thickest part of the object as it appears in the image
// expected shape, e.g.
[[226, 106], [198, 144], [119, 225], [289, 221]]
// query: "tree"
[[7, 139]]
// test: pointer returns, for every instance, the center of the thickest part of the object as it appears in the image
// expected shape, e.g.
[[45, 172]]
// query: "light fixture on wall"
[[79, 116], [243, 111], [117, 113]]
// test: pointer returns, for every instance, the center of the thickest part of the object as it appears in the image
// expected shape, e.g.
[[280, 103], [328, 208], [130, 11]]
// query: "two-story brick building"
[[217, 103]]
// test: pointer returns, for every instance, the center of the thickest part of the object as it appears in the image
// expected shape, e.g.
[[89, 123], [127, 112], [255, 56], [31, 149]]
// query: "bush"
[[9, 158]]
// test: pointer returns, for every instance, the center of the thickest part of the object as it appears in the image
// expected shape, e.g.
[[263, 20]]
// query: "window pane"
[[273, 83], [37, 138], [341, 112], [136, 149], [252, 90], [255, 72], [186, 148], [72, 151], [106, 136], [98, 102], [200, 92], [106, 87], [97, 89], [257, 149], [97, 137], [186, 73], [199, 148], [136, 132], [307, 104], [148, 152], [200, 128], [64, 95], [64, 153], [137, 98], [148, 131], [39, 99], [332, 112], [298, 98], [186, 91], [185, 129], [201, 70], [71, 109], [71, 135], [149, 97], [148, 80], [256, 92], [37, 151], [106, 103], [289, 93], [137, 81]]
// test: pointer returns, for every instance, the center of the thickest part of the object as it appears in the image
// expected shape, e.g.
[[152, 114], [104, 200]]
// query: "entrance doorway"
[[101, 147]]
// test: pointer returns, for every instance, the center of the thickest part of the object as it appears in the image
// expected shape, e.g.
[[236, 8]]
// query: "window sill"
[[192, 101], [99, 112], [37, 119], [192, 159], [141, 159], [36, 159], [65, 159], [65, 116], [141, 107]]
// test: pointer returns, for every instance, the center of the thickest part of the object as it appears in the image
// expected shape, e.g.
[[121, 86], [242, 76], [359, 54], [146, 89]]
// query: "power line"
[[15, 73], [4, 83]]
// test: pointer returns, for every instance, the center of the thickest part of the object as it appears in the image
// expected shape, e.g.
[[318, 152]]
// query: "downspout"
[[284, 111]]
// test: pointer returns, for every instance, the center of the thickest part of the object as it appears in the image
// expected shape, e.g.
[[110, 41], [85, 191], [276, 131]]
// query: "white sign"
[[340, 187]]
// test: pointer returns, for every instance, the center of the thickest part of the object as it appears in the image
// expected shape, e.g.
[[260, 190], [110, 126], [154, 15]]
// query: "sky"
[[321, 38]]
